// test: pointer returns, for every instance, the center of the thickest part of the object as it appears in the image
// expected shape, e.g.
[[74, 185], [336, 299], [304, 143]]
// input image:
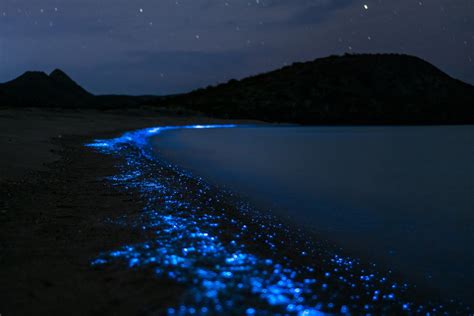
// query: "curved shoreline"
[[245, 262], [55, 212]]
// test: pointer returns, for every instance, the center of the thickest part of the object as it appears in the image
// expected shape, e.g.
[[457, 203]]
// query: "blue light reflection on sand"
[[221, 274]]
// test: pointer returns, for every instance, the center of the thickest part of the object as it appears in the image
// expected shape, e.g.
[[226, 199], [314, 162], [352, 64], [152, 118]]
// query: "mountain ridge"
[[36, 88], [348, 89]]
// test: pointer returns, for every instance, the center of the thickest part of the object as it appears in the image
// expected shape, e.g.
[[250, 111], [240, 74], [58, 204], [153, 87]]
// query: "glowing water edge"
[[233, 259]]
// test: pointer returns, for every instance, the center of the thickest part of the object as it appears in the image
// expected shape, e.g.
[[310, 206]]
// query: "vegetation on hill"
[[349, 89]]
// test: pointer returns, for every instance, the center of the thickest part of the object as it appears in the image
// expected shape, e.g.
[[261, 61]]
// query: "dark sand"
[[55, 211], [54, 206], [26, 134]]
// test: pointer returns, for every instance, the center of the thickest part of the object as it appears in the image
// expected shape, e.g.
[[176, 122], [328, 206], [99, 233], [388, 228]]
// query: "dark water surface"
[[400, 196]]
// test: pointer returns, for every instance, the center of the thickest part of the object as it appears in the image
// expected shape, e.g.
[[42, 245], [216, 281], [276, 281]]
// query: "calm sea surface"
[[402, 197]]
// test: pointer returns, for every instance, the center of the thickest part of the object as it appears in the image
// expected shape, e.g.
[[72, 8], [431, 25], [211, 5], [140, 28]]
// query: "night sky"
[[164, 46]]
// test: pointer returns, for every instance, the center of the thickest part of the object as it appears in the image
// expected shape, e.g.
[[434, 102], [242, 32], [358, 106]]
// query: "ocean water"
[[399, 196]]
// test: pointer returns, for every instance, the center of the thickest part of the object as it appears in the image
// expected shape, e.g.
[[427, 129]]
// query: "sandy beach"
[[29, 135], [65, 227], [274, 157], [54, 206]]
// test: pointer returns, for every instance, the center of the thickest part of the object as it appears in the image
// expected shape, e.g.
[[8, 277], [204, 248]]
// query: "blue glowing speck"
[[191, 246]]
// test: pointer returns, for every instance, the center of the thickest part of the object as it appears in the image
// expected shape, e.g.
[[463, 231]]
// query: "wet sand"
[[398, 196], [26, 134], [55, 210], [59, 212], [235, 258]]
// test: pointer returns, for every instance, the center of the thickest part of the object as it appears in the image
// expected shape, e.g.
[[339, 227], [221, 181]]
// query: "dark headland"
[[58, 90], [349, 89]]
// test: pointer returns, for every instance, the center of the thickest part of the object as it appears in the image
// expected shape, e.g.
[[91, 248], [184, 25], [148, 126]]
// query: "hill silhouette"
[[35, 88], [349, 89]]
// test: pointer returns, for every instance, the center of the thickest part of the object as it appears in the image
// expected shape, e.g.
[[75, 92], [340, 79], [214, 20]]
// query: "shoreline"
[[366, 189], [54, 223], [49, 234], [55, 211], [266, 236]]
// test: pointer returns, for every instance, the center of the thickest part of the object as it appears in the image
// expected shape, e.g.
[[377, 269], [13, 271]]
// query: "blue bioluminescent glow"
[[140, 137], [233, 258]]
